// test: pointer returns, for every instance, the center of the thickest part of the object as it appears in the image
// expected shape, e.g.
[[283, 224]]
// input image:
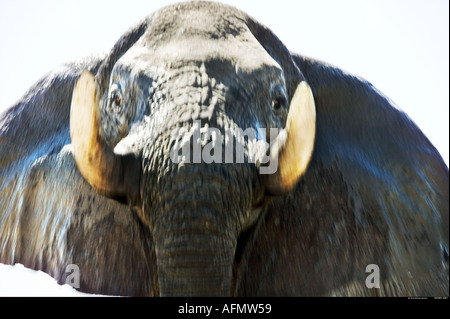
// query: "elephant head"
[[189, 76]]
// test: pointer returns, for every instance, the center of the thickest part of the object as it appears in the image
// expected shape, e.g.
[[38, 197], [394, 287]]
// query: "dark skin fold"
[[375, 190]]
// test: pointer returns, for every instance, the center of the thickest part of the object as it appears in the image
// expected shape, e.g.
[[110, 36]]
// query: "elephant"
[[120, 163]]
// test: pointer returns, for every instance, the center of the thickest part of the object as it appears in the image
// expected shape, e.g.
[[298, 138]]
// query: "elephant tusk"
[[111, 175], [293, 147]]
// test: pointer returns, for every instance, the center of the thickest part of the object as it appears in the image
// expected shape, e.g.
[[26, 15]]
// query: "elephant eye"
[[279, 103], [276, 104], [279, 98], [116, 97]]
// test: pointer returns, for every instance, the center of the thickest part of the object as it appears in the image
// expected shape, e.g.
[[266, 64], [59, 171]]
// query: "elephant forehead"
[[239, 56], [244, 55], [199, 33]]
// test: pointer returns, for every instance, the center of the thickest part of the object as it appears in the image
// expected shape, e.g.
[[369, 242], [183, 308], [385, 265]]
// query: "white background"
[[400, 46]]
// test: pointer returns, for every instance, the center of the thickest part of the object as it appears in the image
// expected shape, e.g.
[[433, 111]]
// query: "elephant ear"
[[41, 189], [294, 145], [376, 191], [50, 217]]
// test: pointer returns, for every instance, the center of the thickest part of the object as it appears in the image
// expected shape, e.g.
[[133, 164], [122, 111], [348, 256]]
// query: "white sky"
[[400, 46]]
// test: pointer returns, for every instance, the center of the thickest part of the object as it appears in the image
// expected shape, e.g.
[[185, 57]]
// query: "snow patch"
[[19, 281]]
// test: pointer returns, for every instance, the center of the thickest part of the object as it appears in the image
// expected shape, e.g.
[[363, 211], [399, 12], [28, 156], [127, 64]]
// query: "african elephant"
[[121, 164]]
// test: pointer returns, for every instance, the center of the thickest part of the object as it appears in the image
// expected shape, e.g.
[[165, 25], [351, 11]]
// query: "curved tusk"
[[111, 175], [294, 145]]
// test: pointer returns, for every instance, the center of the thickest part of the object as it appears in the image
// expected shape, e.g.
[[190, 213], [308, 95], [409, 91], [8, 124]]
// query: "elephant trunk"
[[195, 252]]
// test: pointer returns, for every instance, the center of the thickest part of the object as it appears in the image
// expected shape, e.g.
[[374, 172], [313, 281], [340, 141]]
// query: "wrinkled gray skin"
[[375, 191]]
